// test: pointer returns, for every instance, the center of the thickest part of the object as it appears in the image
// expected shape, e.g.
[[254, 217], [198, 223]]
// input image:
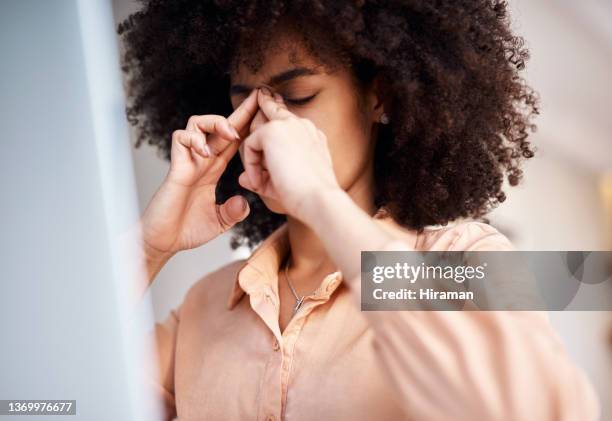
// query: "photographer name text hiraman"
[[422, 294]]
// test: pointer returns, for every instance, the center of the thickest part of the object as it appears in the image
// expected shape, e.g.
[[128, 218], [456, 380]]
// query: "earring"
[[384, 118]]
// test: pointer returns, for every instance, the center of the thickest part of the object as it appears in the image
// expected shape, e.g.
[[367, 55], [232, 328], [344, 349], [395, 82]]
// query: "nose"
[[257, 121]]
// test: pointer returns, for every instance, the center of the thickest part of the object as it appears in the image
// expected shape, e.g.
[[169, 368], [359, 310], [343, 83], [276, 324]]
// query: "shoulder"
[[465, 235]]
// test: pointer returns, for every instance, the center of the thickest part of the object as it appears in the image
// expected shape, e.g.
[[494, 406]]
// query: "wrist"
[[154, 259], [315, 206], [144, 261]]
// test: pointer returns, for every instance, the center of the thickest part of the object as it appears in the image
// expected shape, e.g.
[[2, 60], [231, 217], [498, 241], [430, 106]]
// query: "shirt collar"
[[260, 270]]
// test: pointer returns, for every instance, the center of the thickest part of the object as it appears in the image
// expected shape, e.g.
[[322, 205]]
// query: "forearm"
[[344, 228], [455, 356]]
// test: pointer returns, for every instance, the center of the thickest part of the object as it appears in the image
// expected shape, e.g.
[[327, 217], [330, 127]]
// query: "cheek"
[[348, 137]]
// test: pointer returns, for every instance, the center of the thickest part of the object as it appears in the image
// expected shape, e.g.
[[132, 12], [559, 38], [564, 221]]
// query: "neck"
[[307, 252]]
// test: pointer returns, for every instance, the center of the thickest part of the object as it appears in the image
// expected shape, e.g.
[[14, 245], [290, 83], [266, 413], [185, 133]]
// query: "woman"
[[358, 125]]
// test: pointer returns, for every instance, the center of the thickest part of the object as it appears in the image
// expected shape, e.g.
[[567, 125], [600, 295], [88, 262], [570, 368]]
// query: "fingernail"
[[265, 90], [234, 132], [278, 97]]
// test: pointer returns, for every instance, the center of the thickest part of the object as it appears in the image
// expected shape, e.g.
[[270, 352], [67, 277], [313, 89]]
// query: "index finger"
[[240, 119], [242, 115]]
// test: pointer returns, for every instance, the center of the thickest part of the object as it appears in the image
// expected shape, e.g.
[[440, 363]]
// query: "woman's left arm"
[[447, 364]]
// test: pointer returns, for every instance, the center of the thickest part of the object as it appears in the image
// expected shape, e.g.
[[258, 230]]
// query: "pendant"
[[298, 304]]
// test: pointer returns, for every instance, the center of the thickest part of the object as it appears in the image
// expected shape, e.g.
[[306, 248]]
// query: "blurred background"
[[565, 201]]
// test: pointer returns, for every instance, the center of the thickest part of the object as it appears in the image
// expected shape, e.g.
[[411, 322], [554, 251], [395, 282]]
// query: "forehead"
[[282, 53]]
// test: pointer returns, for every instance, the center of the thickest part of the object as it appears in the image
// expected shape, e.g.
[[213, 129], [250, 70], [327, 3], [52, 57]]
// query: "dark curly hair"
[[449, 73]]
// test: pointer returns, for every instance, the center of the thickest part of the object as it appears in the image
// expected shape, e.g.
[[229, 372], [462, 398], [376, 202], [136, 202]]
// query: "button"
[[275, 345], [270, 418]]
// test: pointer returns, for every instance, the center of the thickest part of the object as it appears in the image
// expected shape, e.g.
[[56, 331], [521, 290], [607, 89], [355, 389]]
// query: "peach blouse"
[[222, 355]]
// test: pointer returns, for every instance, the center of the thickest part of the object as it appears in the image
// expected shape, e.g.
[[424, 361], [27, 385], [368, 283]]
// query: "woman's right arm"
[[183, 213]]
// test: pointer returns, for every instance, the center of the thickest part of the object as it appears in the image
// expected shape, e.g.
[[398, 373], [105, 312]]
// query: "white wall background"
[[559, 204]]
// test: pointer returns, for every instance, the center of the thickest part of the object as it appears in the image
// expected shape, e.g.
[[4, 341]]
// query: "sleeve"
[[488, 365], [162, 381]]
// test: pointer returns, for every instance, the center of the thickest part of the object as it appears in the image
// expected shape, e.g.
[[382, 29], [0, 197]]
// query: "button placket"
[[290, 338], [270, 395]]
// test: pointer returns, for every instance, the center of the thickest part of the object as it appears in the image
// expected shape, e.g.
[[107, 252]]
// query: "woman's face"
[[330, 101]]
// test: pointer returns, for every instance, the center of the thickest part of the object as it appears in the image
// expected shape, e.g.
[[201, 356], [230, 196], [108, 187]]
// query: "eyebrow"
[[276, 79]]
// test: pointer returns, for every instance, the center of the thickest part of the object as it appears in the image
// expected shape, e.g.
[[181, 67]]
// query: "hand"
[[183, 214], [286, 159]]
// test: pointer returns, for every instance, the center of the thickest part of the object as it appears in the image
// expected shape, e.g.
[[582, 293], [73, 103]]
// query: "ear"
[[375, 100]]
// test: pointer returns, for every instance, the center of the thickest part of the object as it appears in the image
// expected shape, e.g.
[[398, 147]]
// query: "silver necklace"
[[299, 300]]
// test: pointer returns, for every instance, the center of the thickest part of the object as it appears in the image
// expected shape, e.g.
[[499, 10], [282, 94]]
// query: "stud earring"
[[384, 118]]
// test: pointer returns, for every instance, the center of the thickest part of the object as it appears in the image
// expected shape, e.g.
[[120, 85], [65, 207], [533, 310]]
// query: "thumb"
[[234, 210]]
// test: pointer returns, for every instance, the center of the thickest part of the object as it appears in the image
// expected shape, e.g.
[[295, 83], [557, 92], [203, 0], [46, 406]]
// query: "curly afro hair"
[[449, 73]]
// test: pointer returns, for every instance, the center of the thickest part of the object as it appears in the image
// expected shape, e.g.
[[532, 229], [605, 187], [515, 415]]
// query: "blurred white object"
[[67, 191]]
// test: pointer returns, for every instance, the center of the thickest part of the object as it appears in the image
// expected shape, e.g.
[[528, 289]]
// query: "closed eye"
[[298, 101]]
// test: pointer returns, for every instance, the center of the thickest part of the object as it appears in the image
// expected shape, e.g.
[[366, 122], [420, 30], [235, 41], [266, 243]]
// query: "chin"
[[274, 205]]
